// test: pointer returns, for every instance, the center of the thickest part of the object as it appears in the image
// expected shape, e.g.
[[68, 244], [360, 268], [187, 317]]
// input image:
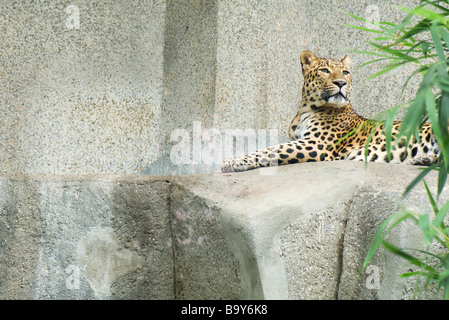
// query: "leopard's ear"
[[346, 61], [307, 58]]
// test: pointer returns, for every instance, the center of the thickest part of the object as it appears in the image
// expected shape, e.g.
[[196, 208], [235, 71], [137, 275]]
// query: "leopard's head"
[[327, 82]]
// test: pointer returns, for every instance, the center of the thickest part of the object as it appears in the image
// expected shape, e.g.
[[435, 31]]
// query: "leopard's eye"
[[325, 70], [346, 72]]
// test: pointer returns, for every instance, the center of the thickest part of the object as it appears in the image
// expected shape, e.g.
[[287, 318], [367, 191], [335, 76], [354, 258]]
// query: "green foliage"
[[421, 40]]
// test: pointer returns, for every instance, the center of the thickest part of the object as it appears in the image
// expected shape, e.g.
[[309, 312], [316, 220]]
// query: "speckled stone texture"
[[100, 87], [108, 107], [80, 100], [301, 233]]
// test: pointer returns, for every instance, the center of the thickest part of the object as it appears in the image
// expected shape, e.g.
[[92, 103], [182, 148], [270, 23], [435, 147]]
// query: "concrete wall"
[[247, 235], [93, 94], [102, 87]]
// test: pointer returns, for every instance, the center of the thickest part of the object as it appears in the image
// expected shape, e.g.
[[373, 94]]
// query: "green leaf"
[[415, 113], [432, 113], [442, 176], [399, 53], [389, 129], [420, 27], [411, 259], [425, 47], [431, 199], [443, 117], [444, 275], [363, 28], [383, 231], [414, 273], [371, 61], [446, 289], [424, 224], [420, 69], [437, 43], [368, 140], [418, 179], [445, 36], [417, 109], [435, 4], [425, 13], [440, 215], [387, 69], [373, 53]]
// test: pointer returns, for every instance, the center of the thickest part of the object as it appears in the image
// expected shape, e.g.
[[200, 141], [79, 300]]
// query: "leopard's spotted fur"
[[325, 117]]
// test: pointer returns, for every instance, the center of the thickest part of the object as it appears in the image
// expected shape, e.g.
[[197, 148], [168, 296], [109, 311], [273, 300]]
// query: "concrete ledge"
[[293, 232]]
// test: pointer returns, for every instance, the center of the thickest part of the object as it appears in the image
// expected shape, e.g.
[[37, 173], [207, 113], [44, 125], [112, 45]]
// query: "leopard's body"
[[326, 117]]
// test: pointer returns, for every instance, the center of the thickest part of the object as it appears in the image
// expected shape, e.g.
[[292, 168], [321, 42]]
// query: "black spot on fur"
[[403, 156], [387, 159]]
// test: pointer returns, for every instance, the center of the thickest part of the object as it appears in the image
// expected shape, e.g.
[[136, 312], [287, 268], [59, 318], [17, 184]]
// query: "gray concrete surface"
[[112, 87], [300, 232], [95, 93]]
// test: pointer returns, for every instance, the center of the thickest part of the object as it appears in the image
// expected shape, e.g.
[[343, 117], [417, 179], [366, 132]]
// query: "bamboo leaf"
[[443, 275], [382, 232], [424, 224], [431, 199], [414, 273], [389, 129], [425, 13], [420, 69], [442, 176], [411, 259], [440, 215], [445, 36], [437, 43], [432, 3], [415, 113], [420, 27], [363, 28], [418, 179], [387, 69]]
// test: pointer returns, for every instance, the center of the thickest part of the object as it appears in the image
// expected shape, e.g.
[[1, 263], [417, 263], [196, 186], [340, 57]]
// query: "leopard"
[[327, 128]]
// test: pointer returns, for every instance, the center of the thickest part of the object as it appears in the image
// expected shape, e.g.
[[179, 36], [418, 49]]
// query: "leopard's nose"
[[340, 83]]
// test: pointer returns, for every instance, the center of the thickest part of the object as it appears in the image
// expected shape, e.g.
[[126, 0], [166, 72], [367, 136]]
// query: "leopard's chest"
[[306, 124]]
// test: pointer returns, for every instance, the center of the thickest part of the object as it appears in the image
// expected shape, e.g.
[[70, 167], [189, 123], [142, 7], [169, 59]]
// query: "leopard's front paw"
[[423, 161], [236, 165]]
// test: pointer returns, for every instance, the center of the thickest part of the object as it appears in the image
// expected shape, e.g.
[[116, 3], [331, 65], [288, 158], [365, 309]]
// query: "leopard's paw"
[[423, 161], [236, 165]]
